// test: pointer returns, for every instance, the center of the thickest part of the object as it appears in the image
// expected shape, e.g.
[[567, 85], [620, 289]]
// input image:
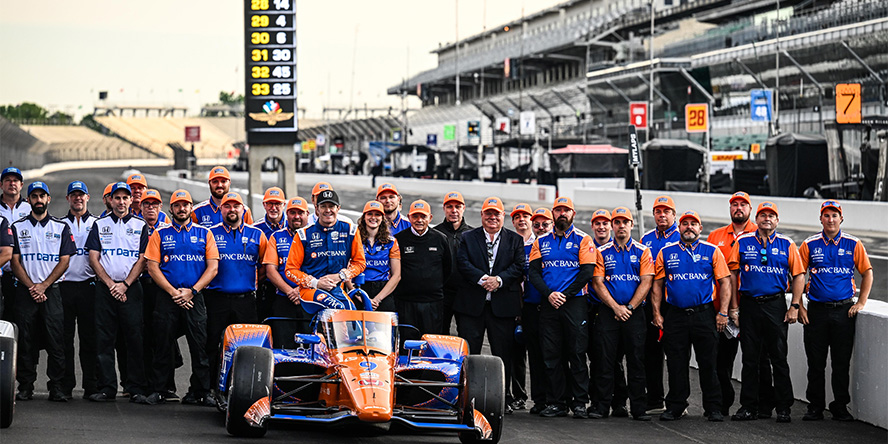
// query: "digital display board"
[[270, 94]]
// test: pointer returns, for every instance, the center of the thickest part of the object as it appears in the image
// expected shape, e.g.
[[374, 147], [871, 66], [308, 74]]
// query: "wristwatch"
[[796, 306], [630, 307]]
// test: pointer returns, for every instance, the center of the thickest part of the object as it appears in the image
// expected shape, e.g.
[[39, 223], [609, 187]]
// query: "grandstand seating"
[[218, 135], [70, 143]]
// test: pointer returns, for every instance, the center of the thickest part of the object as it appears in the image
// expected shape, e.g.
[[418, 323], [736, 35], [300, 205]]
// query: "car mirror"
[[302, 338], [413, 345]]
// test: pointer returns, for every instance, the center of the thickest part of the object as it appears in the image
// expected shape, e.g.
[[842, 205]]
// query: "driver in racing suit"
[[324, 255]]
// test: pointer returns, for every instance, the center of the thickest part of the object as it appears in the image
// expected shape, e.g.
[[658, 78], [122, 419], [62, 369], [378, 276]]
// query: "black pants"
[[530, 322], [150, 291], [282, 307], [36, 321], [373, 288], [7, 296], [621, 391], [425, 316], [448, 314], [265, 297], [564, 340], [116, 319], [79, 304], [681, 330], [169, 318], [653, 358], [762, 330], [224, 309], [609, 333], [829, 330], [500, 335], [517, 384], [724, 368]]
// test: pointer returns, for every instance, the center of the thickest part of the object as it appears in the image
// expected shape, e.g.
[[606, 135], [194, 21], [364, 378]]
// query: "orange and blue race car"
[[351, 366]]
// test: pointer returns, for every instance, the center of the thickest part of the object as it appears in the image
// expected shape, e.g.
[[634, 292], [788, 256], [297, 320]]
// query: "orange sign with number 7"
[[697, 117], [848, 103]]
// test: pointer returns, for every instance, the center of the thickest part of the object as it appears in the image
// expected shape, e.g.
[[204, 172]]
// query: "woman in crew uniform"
[[383, 257]]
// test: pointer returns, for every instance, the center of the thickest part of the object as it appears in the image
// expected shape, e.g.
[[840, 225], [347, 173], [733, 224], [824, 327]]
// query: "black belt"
[[763, 299], [215, 293], [833, 304], [691, 310]]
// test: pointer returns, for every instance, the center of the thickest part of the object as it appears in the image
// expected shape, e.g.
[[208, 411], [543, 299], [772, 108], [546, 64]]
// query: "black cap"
[[328, 196]]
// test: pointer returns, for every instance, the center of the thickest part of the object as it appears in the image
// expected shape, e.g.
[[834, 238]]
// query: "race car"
[[8, 355], [350, 366]]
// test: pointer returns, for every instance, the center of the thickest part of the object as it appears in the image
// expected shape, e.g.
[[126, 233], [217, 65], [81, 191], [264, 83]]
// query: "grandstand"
[[69, 143], [154, 134]]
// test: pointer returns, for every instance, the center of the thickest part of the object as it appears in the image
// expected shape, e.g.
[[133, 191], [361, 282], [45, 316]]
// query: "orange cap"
[[563, 202], [690, 215], [493, 203], [767, 206], [385, 188], [297, 202], [152, 194], [420, 206], [664, 201], [542, 212], [321, 186], [741, 195], [108, 189], [136, 178], [834, 204], [521, 208], [219, 172], [274, 194], [454, 196], [231, 197], [601, 213], [372, 206], [622, 212], [180, 196]]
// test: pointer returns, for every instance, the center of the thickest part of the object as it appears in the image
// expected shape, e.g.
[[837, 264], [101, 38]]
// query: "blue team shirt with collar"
[[283, 238], [758, 279], [531, 294], [268, 227], [561, 259], [653, 240], [831, 265], [378, 261], [689, 273], [591, 296], [183, 253], [207, 213], [401, 223], [622, 269], [239, 258], [327, 250]]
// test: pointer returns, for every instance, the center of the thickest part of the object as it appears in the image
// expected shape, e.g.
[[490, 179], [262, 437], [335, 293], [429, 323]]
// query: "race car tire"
[[484, 380], [8, 357], [249, 381]]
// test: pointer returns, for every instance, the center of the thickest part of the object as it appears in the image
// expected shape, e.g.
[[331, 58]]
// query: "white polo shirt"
[[78, 267], [121, 240], [41, 244], [21, 209]]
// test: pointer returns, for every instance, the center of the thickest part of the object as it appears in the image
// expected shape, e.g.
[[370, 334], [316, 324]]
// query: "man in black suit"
[[491, 262]]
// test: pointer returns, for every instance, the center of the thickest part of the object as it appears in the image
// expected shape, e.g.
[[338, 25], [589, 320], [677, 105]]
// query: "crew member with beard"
[[182, 259], [724, 238], [688, 270], [765, 264], [42, 248], [116, 247], [12, 207], [231, 295], [388, 196], [665, 232], [561, 264], [78, 291], [452, 228], [206, 213], [286, 302]]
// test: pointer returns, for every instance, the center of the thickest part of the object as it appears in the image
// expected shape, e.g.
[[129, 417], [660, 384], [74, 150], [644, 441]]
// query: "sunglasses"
[[543, 225], [764, 253]]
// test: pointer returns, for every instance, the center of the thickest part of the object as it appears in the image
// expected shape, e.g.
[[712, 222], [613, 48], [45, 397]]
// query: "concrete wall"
[[859, 216]]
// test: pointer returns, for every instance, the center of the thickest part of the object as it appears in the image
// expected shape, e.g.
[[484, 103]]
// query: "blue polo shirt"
[[562, 256], [655, 240], [765, 271], [622, 268], [690, 272], [590, 289], [379, 258], [182, 252], [531, 294], [240, 253], [207, 214], [276, 253], [831, 264], [268, 227], [401, 223]]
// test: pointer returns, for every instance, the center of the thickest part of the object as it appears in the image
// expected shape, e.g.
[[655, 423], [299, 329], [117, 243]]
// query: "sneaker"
[[208, 401], [619, 411], [554, 410], [101, 397], [518, 404], [156, 398], [190, 399], [537, 408], [841, 415], [596, 414], [783, 416], [813, 415], [24, 395], [744, 415], [56, 396], [170, 396], [643, 417], [579, 412], [669, 416], [139, 398], [716, 416]]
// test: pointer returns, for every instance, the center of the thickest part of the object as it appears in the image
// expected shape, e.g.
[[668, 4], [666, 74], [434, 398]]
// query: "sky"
[[60, 54]]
